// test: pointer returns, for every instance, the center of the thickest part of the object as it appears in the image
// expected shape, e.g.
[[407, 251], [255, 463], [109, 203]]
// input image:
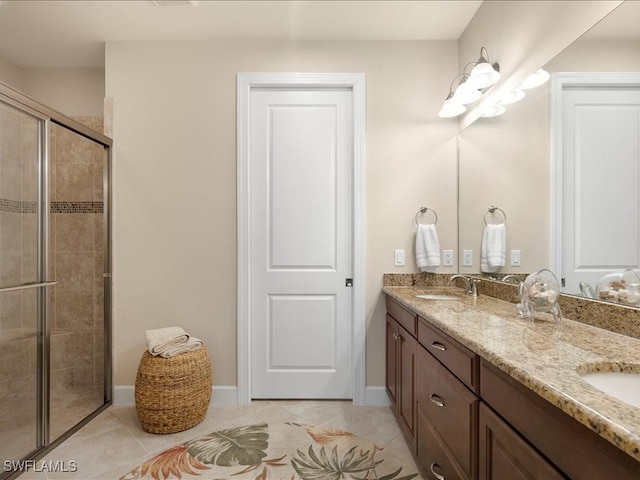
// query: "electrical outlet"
[[467, 258], [515, 258], [398, 258], [447, 258]]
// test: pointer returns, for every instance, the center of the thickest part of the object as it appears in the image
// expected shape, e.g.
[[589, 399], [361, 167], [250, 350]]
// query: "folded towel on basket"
[[170, 341], [427, 247], [494, 247]]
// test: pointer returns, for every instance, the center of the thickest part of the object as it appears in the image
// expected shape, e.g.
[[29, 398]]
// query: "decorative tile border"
[[77, 207], [16, 206]]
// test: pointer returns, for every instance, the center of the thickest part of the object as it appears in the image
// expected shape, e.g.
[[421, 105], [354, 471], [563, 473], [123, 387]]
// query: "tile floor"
[[113, 443]]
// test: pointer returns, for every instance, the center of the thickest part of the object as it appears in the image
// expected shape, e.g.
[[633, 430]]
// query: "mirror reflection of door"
[[599, 181]]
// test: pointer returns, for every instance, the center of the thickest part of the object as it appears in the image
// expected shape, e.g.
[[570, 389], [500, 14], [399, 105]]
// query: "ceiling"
[[67, 34], [620, 24]]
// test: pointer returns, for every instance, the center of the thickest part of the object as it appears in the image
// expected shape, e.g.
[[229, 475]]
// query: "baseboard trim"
[[377, 396], [228, 395], [221, 395]]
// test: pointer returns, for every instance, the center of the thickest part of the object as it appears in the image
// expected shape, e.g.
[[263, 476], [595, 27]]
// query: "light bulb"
[[511, 97], [535, 80]]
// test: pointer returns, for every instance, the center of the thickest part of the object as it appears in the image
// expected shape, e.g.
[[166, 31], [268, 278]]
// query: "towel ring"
[[424, 210], [491, 210]]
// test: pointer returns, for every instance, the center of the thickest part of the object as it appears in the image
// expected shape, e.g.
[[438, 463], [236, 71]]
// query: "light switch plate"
[[467, 258], [447, 258], [398, 258], [515, 258]]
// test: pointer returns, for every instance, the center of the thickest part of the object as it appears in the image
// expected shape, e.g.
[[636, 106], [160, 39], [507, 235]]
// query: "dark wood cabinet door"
[[407, 376], [506, 456]]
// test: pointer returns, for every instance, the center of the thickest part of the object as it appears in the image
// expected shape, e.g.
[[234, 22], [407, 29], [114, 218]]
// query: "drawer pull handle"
[[437, 475], [437, 400], [439, 346]]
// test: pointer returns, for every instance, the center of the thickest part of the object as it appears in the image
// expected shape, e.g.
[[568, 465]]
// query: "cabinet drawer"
[[451, 409], [573, 448], [456, 357], [403, 316], [434, 458]]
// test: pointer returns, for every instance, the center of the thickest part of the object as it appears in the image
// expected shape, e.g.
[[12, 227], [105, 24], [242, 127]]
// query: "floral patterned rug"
[[287, 451]]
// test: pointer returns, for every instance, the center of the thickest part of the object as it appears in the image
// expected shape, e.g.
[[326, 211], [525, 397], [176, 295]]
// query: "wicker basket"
[[173, 394]]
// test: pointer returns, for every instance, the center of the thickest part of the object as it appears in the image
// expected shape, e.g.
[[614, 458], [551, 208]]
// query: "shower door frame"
[[47, 117]]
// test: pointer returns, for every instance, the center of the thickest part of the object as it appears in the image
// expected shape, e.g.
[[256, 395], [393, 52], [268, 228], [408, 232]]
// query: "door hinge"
[[348, 282], [562, 282]]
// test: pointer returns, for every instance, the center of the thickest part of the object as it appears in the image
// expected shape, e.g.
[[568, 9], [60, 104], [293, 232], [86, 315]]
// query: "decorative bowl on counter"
[[621, 287], [539, 293]]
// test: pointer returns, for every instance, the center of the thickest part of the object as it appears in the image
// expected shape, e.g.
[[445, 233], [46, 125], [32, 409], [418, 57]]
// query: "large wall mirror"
[[509, 162]]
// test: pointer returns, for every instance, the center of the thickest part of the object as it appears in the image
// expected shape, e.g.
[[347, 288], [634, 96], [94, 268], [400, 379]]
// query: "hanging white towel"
[[170, 341], [427, 247], [494, 247]]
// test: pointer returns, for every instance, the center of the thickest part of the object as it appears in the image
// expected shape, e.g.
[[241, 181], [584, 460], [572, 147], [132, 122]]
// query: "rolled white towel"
[[189, 346], [161, 340]]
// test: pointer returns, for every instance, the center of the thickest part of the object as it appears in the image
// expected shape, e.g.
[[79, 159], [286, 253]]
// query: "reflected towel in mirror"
[[494, 247]]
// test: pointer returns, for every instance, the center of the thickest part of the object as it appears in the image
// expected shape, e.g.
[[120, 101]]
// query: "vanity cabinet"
[[464, 418], [401, 367]]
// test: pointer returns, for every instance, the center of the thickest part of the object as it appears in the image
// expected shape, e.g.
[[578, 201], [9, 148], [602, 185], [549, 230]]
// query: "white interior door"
[[301, 164], [601, 183]]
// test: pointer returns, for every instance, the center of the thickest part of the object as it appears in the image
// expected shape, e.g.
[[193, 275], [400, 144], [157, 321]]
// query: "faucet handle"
[[474, 286]]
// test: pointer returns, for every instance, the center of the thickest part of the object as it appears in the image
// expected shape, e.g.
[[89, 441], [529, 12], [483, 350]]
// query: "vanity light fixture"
[[493, 111], [465, 93], [512, 97], [471, 85], [484, 74], [450, 108], [535, 79]]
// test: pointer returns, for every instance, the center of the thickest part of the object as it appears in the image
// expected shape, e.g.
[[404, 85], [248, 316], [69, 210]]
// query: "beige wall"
[[175, 178], [72, 91], [11, 74]]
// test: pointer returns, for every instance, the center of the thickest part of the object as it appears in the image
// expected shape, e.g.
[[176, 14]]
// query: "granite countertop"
[[542, 355]]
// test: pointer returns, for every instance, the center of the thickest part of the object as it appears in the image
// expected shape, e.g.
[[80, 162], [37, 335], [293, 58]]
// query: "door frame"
[[245, 83], [559, 82]]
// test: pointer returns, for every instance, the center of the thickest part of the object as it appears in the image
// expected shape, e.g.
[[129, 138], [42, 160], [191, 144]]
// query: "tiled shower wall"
[[77, 256]]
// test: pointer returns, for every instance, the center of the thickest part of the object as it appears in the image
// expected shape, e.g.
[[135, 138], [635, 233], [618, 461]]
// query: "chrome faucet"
[[511, 276], [471, 284]]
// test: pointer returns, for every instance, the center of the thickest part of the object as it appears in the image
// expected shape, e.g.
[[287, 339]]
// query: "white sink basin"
[[621, 385], [436, 296]]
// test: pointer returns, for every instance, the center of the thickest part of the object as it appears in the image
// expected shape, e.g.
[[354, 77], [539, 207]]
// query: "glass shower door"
[[20, 305], [76, 261]]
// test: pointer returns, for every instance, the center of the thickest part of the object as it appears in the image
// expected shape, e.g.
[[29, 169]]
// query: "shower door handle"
[[27, 286]]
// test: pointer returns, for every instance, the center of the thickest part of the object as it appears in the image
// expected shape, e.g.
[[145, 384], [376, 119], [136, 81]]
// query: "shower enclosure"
[[55, 280]]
